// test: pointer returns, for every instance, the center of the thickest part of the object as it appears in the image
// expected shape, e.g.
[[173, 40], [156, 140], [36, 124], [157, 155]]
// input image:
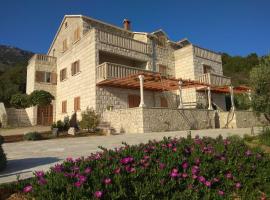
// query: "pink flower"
[[238, 185], [117, 171], [207, 183], [126, 160], [107, 181], [98, 194], [58, 168], [82, 178], [201, 179], [248, 153], [39, 174], [42, 181], [215, 180], [87, 170], [229, 175], [130, 169], [195, 169], [78, 184], [221, 193], [184, 175], [174, 149], [194, 176], [69, 159], [185, 165], [197, 161], [162, 165], [27, 189], [174, 173], [226, 142]]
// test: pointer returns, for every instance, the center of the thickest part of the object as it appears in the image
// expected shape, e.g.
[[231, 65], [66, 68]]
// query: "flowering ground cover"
[[174, 168]]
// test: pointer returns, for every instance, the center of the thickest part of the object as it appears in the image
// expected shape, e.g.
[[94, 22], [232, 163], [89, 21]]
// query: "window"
[[65, 47], [75, 67], [162, 69], [63, 74], [207, 69], [133, 101], [46, 77], [76, 35], [64, 106], [163, 102], [77, 103]]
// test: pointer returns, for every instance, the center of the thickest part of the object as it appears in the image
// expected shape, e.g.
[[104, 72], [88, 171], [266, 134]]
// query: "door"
[[45, 115], [133, 101]]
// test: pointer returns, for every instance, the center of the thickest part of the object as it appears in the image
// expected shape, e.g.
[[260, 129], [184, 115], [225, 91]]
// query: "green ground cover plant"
[[174, 168]]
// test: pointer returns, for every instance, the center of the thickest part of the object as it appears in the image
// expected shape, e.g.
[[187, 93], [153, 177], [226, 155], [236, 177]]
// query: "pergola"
[[157, 82]]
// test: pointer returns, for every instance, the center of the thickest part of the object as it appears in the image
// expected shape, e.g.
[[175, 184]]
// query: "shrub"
[[20, 101], [40, 98], [32, 136], [200, 168], [264, 137], [90, 119], [3, 159]]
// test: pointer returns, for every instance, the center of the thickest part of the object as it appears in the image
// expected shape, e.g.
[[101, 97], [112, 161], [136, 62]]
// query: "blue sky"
[[237, 27]]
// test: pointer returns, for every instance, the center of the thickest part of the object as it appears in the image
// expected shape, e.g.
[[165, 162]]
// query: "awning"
[[152, 81]]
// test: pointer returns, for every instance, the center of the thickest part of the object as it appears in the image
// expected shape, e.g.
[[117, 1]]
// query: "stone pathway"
[[26, 157], [23, 130]]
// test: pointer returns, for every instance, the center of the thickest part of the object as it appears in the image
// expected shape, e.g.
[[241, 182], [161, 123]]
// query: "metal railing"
[[108, 70], [123, 42], [215, 79]]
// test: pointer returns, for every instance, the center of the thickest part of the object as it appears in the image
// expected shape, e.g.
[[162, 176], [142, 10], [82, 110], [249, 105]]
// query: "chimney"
[[126, 24]]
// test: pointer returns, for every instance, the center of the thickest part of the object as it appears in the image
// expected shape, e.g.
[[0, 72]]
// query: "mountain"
[[13, 57]]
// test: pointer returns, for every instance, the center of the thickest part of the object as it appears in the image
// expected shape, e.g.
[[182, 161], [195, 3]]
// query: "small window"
[[133, 101], [163, 102], [48, 77], [63, 74], [162, 69], [77, 35], [77, 103], [64, 106], [65, 47], [75, 67], [207, 69]]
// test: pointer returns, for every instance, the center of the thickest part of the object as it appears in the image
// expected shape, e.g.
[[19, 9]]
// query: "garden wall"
[[17, 117], [141, 120]]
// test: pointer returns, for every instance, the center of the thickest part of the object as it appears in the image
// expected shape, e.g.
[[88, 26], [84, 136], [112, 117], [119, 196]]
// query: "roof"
[[226, 89]]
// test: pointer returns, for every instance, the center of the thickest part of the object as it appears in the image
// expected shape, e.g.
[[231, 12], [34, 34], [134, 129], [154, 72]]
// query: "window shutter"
[[40, 76], [77, 104], [72, 69], [163, 102], [53, 78], [64, 106]]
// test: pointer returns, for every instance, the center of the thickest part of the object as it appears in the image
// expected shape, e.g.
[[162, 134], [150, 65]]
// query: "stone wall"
[[3, 115], [141, 120], [241, 119]]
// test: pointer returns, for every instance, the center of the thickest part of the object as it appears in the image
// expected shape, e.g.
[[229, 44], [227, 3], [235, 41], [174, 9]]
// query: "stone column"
[[141, 77], [209, 99], [249, 95], [232, 97], [180, 95]]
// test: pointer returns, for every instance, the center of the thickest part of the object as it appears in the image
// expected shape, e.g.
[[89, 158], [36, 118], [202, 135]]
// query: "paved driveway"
[[26, 157]]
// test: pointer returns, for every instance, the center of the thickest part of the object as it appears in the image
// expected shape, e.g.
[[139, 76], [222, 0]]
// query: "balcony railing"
[[44, 59], [123, 42], [107, 71], [215, 79]]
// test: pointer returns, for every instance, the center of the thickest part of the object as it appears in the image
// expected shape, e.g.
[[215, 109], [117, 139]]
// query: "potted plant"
[[55, 130]]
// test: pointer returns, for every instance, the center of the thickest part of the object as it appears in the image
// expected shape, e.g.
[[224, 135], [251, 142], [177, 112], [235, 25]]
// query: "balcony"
[[43, 59], [215, 79], [123, 42], [108, 70]]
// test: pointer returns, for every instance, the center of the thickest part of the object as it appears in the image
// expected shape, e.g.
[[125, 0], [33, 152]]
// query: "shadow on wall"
[[26, 163]]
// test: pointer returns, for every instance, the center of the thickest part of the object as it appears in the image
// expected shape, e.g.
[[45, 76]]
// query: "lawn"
[[174, 168]]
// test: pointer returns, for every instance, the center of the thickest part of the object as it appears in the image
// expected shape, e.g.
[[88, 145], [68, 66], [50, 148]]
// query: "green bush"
[[200, 168], [32, 136], [264, 137], [20, 101], [61, 125], [90, 120], [40, 98], [3, 159], [248, 138]]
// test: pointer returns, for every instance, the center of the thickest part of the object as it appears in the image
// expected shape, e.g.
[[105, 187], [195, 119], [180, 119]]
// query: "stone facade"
[[93, 43]]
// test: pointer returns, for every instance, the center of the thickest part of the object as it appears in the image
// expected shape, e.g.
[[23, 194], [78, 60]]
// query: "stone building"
[[86, 55]]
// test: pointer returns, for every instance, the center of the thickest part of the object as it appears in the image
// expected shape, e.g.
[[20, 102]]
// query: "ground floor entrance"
[[45, 115]]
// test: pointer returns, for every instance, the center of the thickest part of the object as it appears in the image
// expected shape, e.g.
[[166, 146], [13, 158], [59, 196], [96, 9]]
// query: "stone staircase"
[[17, 117]]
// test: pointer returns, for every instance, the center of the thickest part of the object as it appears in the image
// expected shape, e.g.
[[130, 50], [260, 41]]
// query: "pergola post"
[[249, 94], [180, 83], [141, 77], [209, 99], [232, 97]]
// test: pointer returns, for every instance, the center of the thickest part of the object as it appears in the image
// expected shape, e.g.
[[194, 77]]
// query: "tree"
[[242, 101], [40, 98], [20, 101], [260, 83], [90, 119]]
